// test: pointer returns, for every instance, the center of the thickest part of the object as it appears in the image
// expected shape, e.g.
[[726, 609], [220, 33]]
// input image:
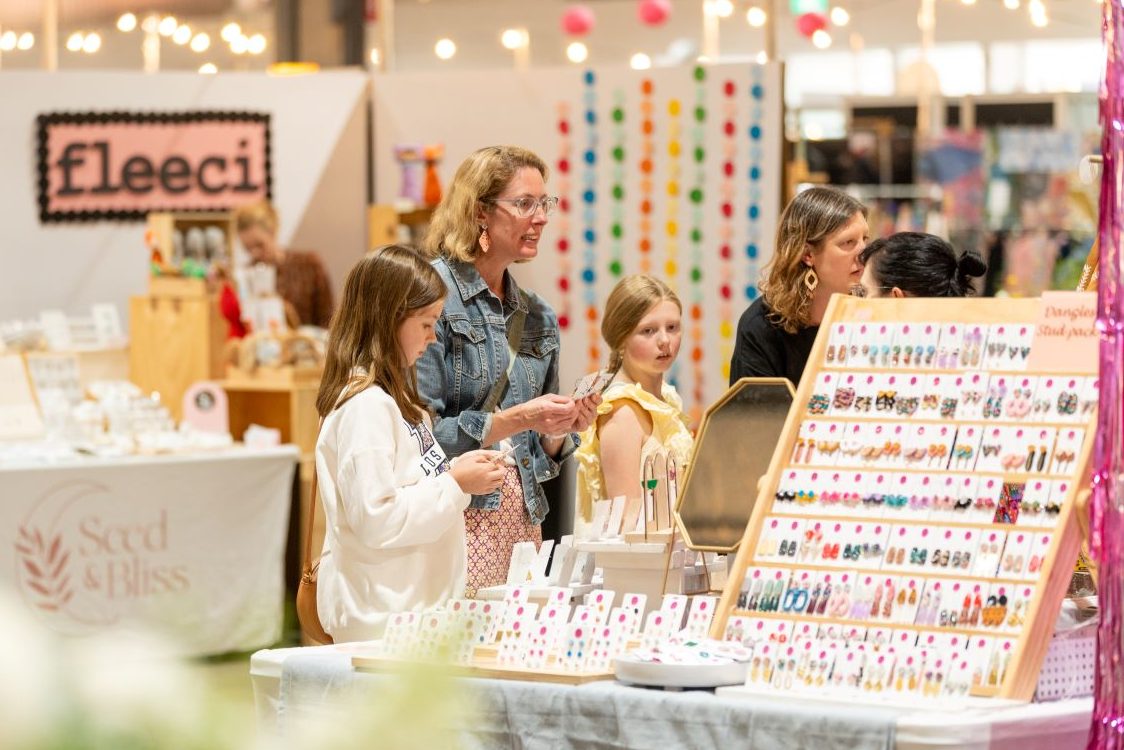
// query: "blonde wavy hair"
[[455, 229], [257, 214], [809, 219], [628, 303]]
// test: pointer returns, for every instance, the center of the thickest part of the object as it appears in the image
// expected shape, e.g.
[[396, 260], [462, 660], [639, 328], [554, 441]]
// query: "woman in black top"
[[912, 264], [819, 238]]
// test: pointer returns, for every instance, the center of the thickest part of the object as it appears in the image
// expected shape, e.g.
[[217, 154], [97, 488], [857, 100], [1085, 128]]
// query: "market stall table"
[[190, 546], [291, 685]]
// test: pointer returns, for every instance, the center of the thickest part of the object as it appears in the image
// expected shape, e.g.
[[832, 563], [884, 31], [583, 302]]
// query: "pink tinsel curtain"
[[1107, 523]]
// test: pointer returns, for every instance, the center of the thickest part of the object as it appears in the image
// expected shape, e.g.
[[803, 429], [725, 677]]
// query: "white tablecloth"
[[189, 546], [307, 684]]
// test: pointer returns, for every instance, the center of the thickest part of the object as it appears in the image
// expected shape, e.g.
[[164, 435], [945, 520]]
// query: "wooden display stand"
[[175, 341], [1032, 635], [282, 398], [484, 666]]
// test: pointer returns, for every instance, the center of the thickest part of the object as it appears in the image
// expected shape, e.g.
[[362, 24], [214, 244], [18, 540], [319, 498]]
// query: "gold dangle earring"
[[811, 280], [485, 240]]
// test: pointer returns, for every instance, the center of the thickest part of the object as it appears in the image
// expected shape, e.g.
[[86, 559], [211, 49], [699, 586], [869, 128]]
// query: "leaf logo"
[[45, 563]]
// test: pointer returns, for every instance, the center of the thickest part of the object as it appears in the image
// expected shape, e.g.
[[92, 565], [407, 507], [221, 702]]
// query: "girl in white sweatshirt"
[[394, 505]]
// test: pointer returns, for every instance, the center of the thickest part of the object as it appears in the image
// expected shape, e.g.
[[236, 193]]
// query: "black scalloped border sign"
[[44, 121]]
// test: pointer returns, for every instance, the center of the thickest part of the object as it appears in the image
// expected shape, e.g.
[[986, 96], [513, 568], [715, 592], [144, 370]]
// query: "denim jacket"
[[456, 373]]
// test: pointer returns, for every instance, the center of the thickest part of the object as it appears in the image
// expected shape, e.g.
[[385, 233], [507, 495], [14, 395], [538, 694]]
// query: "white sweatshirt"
[[395, 518]]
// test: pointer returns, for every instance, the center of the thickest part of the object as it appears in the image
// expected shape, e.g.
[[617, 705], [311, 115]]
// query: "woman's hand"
[[550, 414], [586, 412], [479, 472]]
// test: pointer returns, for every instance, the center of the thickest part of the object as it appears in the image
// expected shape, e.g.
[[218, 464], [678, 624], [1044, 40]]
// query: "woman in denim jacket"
[[492, 216]]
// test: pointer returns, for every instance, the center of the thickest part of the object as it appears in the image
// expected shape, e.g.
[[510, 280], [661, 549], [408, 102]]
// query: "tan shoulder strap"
[[313, 501]]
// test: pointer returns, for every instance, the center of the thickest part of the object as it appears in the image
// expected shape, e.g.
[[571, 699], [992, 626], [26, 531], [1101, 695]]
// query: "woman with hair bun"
[[912, 264]]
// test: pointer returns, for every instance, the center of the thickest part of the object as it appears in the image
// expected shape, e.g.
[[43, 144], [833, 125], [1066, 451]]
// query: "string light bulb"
[[126, 22], [640, 61], [92, 43], [840, 16], [26, 41], [723, 8], [576, 52], [208, 69], [168, 25], [240, 45], [230, 32], [182, 34], [821, 39], [73, 42], [9, 40], [756, 17], [445, 49], [201, 42], [513, 39], [255, 45]]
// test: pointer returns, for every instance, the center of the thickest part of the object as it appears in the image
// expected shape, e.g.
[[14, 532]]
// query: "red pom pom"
[[653, 12], [578, 20], [809, 23]]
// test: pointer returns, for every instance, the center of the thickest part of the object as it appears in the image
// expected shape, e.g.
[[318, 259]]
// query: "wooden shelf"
[[929, 522], [933, 471], [874, 624], [761, 563], [846, 368]]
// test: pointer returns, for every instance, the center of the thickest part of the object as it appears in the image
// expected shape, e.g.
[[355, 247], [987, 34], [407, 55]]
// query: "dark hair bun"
[[970, 265]]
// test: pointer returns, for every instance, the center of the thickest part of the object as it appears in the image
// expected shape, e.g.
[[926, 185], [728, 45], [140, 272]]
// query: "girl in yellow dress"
[[639, 414]]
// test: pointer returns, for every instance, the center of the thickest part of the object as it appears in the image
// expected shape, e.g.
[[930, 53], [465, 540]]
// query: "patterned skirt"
[[492, 533]]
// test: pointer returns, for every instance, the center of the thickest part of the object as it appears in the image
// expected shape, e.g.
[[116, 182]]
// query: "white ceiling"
[[475, 26]]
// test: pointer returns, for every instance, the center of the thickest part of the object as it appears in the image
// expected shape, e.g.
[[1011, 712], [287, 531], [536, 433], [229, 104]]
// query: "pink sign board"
[[121, 165]]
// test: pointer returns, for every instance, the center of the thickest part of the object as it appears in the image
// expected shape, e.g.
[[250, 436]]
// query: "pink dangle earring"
[[485, 240]]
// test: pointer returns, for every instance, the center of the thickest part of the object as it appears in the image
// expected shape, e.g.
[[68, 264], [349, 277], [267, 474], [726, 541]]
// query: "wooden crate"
[[174, 342], [1049, 588]]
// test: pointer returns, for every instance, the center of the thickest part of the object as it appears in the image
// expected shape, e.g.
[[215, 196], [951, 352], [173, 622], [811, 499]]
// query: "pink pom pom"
[[809, 23], [653, 12], [578, 20]]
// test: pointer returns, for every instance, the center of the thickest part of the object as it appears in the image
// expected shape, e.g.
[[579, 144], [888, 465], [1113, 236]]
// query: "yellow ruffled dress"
[[669, 433]]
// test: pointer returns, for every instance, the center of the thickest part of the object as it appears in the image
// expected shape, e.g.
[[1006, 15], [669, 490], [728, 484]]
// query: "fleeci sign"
[[121, 165]]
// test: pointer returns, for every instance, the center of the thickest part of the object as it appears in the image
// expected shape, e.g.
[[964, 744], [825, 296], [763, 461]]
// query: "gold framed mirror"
[[734, 446]]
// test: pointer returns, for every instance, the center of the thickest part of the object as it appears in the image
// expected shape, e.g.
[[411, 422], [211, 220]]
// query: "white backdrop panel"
[[71, 266], [733, 113]]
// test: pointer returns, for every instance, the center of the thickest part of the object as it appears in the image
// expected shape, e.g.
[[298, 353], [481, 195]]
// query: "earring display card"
[[915, 528]]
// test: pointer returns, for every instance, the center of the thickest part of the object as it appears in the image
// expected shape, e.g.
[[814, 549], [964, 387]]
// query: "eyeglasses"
[[526, 206]]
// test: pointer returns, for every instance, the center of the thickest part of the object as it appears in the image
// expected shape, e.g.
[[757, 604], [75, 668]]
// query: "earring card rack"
[[916, 531]]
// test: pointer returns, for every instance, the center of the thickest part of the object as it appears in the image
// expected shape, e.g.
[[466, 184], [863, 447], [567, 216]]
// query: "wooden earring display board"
[[939, 541]]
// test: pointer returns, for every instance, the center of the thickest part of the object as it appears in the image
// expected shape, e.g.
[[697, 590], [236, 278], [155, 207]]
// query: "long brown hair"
[[628, 303], [479, 180], [806, 222], [381, 291]]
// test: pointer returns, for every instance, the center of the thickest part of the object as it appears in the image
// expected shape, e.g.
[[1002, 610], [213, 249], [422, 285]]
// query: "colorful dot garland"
[[563, 231], [753, 211], [616, 191], [726, 225], [647, 154], [589, 218], [697, 197], [674, 170]]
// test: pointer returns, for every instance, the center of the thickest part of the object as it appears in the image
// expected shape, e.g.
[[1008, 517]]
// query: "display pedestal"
[[637, 568], [286, 406]]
